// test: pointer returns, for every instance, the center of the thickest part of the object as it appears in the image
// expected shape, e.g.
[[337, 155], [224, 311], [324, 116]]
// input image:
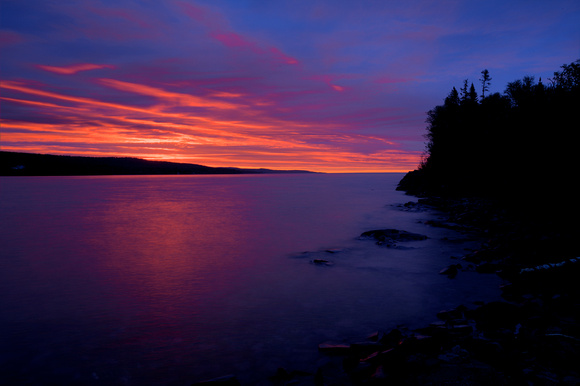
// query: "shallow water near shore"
[[133, 280]]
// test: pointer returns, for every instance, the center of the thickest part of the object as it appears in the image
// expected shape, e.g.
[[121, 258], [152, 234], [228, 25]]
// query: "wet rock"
[[488, 267], [363, 370], [281, 377], [322, 262], [444, 224], [379, 375], [319, 378], [485, 349], [496, 315], [455, 313], [455, 356], [375, 336], [365, 348], [334, 348], [451, 271], [421, 344], [226, 380], [461, 330], [390, 237], [381, 356], [411, 206], [392, 339]]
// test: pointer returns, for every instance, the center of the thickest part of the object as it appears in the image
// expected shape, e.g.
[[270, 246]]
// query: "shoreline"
[[529, 337]]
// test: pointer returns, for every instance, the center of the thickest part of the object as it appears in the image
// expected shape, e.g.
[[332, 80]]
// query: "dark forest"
[[520, 145]]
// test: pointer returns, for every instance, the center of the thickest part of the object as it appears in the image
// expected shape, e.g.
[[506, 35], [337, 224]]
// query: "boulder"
[[451, 271], [334, 348], [322, 262], [450, 314], [365, 348], [456, 355], [226, 380], [392, 339], [390, 237]]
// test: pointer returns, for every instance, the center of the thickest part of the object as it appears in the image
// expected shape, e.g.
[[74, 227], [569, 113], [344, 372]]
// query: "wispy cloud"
[[329, 86], [74, 68]]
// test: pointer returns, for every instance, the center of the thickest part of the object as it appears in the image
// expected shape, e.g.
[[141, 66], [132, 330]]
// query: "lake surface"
[[138, 280]]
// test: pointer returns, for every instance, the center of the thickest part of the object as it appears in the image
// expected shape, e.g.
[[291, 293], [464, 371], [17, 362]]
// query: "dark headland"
[[503, 167], [28, 164]]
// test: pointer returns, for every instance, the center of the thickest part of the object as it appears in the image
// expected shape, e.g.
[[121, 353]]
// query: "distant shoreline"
[[31, 164]]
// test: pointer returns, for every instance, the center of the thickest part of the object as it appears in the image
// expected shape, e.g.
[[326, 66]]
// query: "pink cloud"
[[219, 29], [231, 39], [10, 37], [279, 54], [74, 68]]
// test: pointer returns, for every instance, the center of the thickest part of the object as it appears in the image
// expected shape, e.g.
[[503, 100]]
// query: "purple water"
[[138, 280]]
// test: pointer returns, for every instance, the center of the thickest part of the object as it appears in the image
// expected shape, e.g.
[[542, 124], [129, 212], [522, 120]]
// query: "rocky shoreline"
[[531, 337]]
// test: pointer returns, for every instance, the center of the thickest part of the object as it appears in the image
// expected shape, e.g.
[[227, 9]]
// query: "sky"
[[328, 86]]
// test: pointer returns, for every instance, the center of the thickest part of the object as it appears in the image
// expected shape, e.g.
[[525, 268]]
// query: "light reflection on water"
[[171, 279]]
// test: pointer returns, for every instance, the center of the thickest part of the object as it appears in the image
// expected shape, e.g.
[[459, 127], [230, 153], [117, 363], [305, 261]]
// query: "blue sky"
[[320, 85]]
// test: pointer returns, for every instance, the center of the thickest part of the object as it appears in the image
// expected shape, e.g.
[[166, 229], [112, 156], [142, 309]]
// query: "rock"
[[392, 339], [379, 374], [281, 375], [461, 330], [485, 349], [390, 237], [421, 344], [319, 378], [450, 314], [455, 356], [333, 348], [362, 371], [226, 380], [375, 336], [380, 356], [451, 271], [365, 348], [487, 268], [496, 315], [322, 262]]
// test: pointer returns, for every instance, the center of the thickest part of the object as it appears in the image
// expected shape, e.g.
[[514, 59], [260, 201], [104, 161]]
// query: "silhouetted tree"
[[453, 98], [464, 91], [520, 91], [485, 82], [472, 94], [502, 143], [568, 78]]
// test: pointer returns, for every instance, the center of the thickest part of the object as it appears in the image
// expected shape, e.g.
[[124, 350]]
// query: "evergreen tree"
[[472, 97], [500, 145], [464, 96], [568, 78], [485, 82], [453, 98]]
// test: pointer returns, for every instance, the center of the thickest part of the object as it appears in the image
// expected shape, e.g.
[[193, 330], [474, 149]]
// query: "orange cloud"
[[181, 99], [73, 69], [186, 128]]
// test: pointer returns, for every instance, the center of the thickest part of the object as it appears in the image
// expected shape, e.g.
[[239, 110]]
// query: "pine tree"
[[485, 82], [453, 98], [472, 97], [464, 96]]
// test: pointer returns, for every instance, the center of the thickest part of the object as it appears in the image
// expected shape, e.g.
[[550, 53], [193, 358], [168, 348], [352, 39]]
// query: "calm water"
[[132, 280]]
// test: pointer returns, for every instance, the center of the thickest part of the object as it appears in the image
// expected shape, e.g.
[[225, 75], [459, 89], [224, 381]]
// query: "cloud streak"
[[331, 86], [74, 68]]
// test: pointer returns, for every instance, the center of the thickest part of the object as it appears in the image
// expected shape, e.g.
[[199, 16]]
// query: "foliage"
[[502, 145], [485, 82]]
